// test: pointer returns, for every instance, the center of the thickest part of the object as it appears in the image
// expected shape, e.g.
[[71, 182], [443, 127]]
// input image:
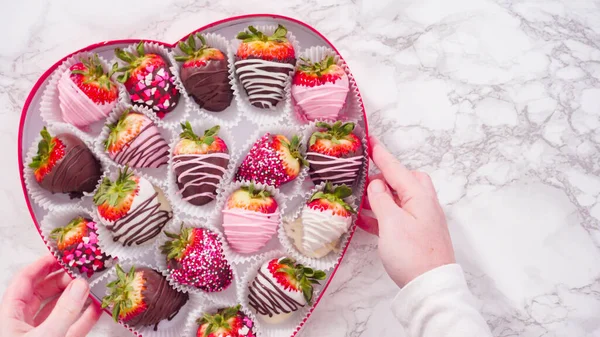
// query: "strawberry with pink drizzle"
[[320, 89], [250, 219], [199, 164]]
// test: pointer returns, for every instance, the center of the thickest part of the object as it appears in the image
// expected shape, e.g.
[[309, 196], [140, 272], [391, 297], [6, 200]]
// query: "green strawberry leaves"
[[256, 193], [218, 320], [114, 192], [304, 276], [119, 297], [333, 132], [307, 66], [45, 147], [253, 34], [336, 195], [208, 138], [176, 247], [294, 147], [189, 47]]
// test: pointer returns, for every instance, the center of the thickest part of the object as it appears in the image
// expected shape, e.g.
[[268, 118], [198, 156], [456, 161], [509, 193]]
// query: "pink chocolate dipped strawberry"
[[195, 258], [226, 322], [148, 80], [273, 160]]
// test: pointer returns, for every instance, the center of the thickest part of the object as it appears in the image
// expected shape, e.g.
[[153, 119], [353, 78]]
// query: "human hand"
[[412, 228], [23, 313]]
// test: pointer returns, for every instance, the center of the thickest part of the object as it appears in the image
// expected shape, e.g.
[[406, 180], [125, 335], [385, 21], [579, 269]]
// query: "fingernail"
[[377, 186], [78, 290]]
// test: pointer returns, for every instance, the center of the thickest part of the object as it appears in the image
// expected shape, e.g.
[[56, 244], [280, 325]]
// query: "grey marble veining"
[[498, 100]]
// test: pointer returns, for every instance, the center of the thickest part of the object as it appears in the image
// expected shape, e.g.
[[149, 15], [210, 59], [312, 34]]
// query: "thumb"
[[383, 204], [67, 309]]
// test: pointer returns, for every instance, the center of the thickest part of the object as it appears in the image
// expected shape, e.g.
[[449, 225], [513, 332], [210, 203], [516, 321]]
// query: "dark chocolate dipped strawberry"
[[263, 65], [226, 322], [195, 258], [334, 154], [199, 164], [142, 297], [64, 164], [205, 74], [77, 244], [148, 80], [273, 160]]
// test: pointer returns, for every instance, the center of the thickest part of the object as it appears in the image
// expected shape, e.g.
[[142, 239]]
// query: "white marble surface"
[[498, 100]]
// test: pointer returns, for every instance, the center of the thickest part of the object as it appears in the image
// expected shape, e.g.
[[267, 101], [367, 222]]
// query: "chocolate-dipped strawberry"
[[226, 322], [77, 244], [281, 288], [263, 65], [250, 219], [205, 74], [195, 258], [334, 154], [199, 164], [64, 164], [273, 160], [86, 92], [148, 80], [132, 208], [135, 141], [142, 297]]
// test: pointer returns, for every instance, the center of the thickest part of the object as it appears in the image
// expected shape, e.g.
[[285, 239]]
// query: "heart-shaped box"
[[243, 125]]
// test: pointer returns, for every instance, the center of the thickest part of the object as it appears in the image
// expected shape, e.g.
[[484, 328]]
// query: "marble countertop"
[[499, 101]]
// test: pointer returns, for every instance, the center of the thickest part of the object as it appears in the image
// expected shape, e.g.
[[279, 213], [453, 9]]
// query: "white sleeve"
[[439, 304]]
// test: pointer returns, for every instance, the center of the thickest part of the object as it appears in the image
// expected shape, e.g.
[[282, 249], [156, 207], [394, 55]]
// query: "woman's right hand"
[[411, 225]]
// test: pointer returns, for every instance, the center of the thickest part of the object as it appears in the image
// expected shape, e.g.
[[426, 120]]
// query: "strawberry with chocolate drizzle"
[[77, 244], [334, 154], [281, 287], [142, 297], [64, 164], [195, 258], [264, 64], [205, 74], [273, 160], [226, 322], [148, 80]]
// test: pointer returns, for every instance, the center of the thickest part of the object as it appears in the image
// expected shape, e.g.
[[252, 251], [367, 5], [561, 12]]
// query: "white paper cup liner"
[[231, 115], [50, 109], [44, 198], [326, 262], [352, 108], [290, 188], [61, 218], [116, 248], [207, 210], [172, 328], [262, 116], [217, 222], [182, 110], [227, 295], [155, 175], [265, 329]]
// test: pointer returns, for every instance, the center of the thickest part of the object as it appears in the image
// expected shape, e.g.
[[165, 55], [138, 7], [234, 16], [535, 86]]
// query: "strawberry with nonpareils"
[[64, 164], [195, 258], [205, 74], [334, 154], [264, 64], [273, 160], [142, 297], [250, 219], [148, 80], [281, 287], [325, 218], [77, 244], [199, 164], [86, 92], [226, 322], [135, 141], [132, 208], [320, 89]]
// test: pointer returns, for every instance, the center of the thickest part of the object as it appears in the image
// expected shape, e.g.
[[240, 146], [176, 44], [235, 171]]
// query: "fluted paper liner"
[[155, 175], [183, 108], [62, 218], [217, 222], [231, 115], [352, 108], [227, 295], [327, 262], [210, 208], [44, 198], [50, 110], [261, 116], [287, 327]]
